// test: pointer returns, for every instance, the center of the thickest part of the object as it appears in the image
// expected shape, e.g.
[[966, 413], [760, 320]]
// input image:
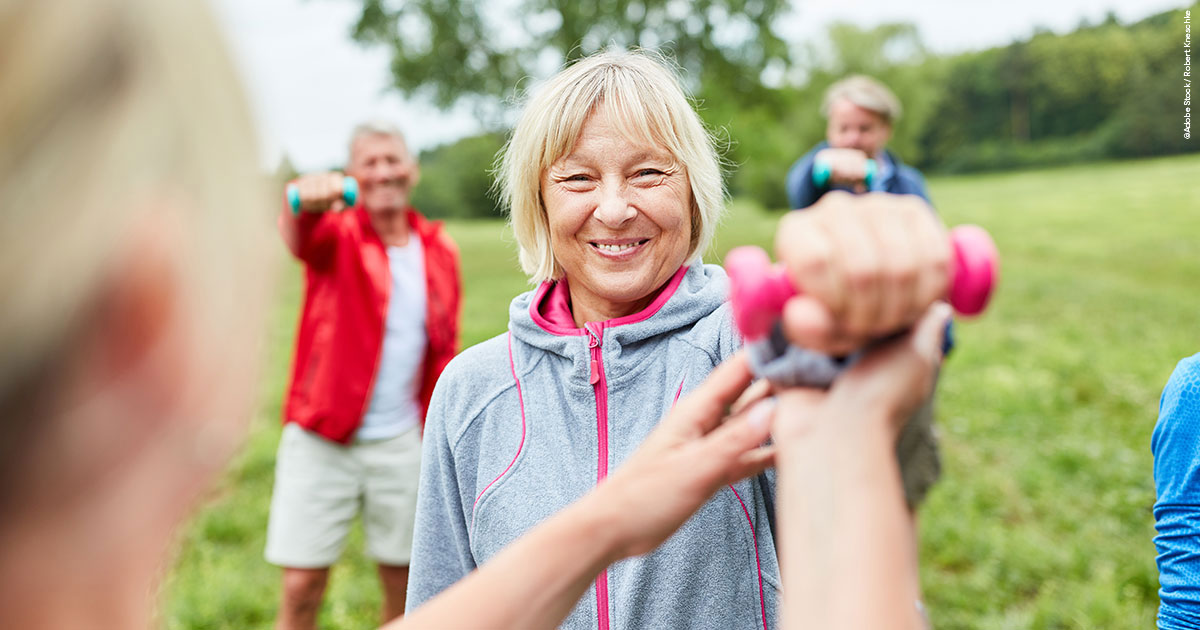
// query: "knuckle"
[[862, 276], [836, 198], [939, 268], [903, 276], [812, 265]]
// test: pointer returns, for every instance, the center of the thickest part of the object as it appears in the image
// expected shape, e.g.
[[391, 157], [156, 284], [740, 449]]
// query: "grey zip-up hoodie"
[[525, 423]]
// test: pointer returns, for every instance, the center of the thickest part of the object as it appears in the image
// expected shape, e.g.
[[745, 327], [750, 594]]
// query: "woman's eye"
[[649, 171]]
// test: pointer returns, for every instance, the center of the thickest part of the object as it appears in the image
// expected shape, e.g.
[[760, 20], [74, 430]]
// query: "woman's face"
[[620, 220]]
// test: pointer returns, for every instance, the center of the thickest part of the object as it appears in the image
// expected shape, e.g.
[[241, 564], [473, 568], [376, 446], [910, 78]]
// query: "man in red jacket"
[[378, 325]]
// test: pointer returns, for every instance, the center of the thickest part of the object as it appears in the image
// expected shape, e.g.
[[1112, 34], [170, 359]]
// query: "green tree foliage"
[[1102, 91], [456, 179], [449, 50]]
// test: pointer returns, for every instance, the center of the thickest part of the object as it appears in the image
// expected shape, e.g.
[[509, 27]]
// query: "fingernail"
[[760, 414]]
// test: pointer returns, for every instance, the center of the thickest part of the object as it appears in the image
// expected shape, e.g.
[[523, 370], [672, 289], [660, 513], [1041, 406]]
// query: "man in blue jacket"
[[860, 111]]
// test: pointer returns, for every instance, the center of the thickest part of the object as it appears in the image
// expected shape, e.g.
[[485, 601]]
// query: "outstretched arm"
[[847, 547], [307, 232]]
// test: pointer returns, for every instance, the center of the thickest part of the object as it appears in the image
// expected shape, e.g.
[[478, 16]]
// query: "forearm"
[[847, 553], [533, 583]]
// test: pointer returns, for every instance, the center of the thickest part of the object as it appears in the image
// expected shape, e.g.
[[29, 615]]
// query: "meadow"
[[1043, 515]]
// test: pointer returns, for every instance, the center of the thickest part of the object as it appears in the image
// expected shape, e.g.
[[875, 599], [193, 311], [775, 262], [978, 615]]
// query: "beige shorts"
[[320, 486]]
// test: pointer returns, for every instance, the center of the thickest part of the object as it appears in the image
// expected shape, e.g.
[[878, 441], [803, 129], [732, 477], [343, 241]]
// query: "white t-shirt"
[[394, 408]]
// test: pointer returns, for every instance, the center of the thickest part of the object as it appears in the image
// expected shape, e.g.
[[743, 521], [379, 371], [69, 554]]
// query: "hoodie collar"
[[551, 306], [542, 317]]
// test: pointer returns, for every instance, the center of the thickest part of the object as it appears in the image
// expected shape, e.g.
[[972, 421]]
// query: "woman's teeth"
[[616, 248]]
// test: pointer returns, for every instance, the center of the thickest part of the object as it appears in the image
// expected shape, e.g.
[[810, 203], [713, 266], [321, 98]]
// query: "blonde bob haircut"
[[647, 102], [865, 92]]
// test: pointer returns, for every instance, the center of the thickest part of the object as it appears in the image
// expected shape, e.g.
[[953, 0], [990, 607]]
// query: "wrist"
[[596, 522], [835, 432]]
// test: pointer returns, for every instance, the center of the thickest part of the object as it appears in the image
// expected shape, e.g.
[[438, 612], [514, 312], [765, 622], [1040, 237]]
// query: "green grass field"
[[1043, 517]]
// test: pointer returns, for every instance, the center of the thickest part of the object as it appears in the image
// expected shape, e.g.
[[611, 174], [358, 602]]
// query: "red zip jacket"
[[340, 335]]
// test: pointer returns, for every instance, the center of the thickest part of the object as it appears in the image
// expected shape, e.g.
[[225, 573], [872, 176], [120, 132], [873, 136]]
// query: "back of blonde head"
[[118, 116], [647, 102]]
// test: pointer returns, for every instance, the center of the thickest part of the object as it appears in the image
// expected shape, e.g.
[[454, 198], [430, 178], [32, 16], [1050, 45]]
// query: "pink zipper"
[[600, 386]]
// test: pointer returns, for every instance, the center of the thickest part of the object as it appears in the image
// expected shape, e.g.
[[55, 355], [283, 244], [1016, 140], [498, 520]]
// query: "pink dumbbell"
[[759, 289]]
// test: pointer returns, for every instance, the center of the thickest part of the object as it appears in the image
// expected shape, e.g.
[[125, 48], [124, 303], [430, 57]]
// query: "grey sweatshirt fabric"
[[501, 454]]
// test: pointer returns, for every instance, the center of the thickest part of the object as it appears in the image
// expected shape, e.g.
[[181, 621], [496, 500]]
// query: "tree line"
[[1103, 91]]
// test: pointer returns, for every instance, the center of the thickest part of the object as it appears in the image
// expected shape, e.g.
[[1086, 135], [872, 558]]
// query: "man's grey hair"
[[865, 92], [376, 128]]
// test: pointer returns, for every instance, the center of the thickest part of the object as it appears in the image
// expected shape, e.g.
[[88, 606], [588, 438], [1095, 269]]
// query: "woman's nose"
[[614, 207]]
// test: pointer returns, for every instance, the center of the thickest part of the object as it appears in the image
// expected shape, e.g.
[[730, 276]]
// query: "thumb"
[[929, 334]]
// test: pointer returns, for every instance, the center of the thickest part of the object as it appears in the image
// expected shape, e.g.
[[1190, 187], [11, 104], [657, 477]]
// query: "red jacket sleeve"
[[310, 236]]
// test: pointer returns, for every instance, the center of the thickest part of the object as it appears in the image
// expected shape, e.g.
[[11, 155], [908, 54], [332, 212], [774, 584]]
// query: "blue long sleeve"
[[801, 192], [1176, 448]]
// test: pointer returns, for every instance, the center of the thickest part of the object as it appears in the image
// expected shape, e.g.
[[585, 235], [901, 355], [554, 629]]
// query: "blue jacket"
[[1176, 448], [902, 179]]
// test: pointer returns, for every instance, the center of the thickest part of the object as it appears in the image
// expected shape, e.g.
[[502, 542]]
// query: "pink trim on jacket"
[[550, 309], [600, 387], [753, 535], [762, 601], [521, 400]]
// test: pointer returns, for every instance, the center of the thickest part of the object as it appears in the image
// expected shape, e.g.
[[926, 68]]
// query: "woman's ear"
[[120, 375], [138, 304]]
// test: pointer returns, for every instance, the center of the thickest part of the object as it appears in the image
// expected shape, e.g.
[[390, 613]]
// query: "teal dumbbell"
[[822, 170], [349, 194]]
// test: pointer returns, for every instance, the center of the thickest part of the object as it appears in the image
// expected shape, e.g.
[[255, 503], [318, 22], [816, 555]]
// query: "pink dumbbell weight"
[[759, 289]]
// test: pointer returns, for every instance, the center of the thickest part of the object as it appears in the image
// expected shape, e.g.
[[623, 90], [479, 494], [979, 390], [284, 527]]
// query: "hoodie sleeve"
[[1176, 447], [801, 192], [912, 182], [441, 553]]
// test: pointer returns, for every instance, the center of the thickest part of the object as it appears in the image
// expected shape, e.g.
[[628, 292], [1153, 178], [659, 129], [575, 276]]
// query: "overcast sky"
[[309, 84]]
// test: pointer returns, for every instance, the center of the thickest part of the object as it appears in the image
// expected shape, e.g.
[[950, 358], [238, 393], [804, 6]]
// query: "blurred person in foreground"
[[135, 273], [860, 112], [614, 188], [1176, 447], [121, 408], [378, 325]]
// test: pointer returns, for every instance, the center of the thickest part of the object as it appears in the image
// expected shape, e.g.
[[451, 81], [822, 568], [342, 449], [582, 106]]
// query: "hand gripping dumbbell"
[[823, 170], [760, 289], [349, 194]]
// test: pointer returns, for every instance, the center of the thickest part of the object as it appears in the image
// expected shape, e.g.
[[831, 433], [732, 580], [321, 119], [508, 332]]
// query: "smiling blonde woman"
[[614, 188]]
